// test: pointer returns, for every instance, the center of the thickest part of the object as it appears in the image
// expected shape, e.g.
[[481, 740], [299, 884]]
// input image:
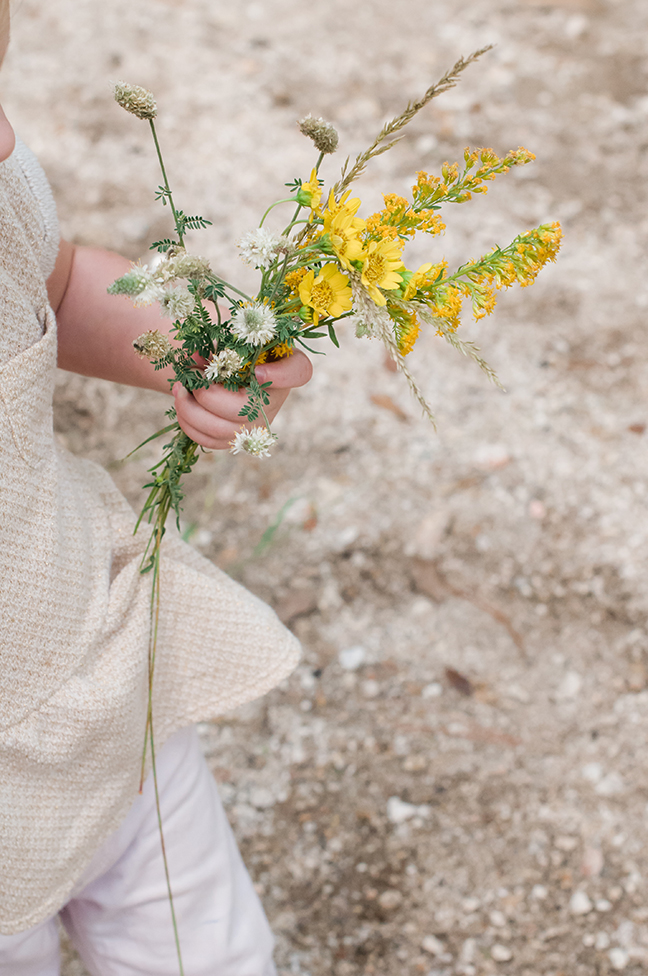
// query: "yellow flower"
[[327, 294], [412, 285], [293, 279], [310, 194], [408, 332], [381, 267], [343, 227]]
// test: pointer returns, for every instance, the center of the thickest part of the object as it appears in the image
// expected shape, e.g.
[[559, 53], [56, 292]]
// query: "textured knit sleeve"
[[39, 186], [28, 249]]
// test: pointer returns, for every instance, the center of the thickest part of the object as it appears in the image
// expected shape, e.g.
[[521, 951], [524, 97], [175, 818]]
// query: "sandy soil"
[[454, 780]]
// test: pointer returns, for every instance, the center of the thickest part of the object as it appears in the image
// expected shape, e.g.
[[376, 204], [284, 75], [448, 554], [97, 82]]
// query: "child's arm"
[[95, 338]]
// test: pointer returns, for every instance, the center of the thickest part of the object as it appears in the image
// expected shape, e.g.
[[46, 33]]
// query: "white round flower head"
[[177, 303], [259, 247], [222, 365], [256, 442], [254, 324], [152, 292], [152, 345]]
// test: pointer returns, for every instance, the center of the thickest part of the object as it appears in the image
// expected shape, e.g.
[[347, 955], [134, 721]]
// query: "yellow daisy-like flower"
[[343, 228], [415, 280], [310, 194], [327, 294], [381, 266]]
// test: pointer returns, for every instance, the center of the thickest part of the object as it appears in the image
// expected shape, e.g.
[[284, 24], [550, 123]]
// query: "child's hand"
[[211, 417]]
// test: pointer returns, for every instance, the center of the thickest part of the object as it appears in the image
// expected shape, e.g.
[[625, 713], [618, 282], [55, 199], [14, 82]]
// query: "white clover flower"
[[152, 345], [182, 265], [222, 365], [254, 324], [177, 303], [259, 247], [256, 442], [153, 292]]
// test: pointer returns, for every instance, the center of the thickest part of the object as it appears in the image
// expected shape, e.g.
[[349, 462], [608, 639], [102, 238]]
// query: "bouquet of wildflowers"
[[327, 265]]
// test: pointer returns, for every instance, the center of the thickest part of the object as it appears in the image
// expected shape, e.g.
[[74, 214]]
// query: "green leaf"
[[333, 337]]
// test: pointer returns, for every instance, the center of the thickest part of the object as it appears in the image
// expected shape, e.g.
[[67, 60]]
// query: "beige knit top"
[[74, 609]]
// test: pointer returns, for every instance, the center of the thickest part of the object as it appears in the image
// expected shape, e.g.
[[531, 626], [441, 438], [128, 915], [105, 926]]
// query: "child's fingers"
[[212, 431], [221, 402], [287, 373]]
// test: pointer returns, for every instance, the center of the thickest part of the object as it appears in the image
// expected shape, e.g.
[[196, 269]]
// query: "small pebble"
[[432, 945], [370, 688], [619, 958], [262, 798], [570, 686], [566, 843], [433, 690], [390, 899], [398, 811], [580, 904], [602, 905], [501, 953], [470, 904], [498, 919], [352, 657], [602, 941], [539, 892], [592, 772]]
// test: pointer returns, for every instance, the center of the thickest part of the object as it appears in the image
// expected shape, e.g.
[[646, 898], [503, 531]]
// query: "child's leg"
[[31, 953], [121, 922]]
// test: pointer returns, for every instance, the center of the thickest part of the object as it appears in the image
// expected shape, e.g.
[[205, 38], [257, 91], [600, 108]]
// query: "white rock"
[[619, 958], [610, 785], [592, 772], [501, 953], [370, 688], [602, 941], [390, 899], [470, 905], [433, 690], [491, 456], [352, 657], [602, 905], [566, 843], [398, 811], [580, 903], [262, 798], [570, 686], [469, 951], [539, 892], [433, 945], [498, 919]]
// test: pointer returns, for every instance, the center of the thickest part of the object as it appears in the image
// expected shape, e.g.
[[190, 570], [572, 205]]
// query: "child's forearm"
[[96, 330]]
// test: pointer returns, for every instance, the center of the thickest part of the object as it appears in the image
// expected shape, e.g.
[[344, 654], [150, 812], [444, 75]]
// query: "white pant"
[[118, 916]]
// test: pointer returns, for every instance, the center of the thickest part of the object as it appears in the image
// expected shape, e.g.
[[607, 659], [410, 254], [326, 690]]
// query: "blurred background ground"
[[454, 781]]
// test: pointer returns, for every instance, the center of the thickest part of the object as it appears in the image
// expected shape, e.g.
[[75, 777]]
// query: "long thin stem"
[[273, 205], [174, 921], [226, 284], [166, 183]]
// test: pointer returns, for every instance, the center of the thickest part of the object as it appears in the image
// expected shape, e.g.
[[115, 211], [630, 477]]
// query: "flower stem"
[[273, 205], [174, 921], [166, 184]]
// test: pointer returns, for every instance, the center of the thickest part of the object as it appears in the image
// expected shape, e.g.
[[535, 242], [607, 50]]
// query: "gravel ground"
[[453, 780]]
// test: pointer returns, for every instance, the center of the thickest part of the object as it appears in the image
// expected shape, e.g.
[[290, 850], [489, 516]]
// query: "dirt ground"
[[453, 783]]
